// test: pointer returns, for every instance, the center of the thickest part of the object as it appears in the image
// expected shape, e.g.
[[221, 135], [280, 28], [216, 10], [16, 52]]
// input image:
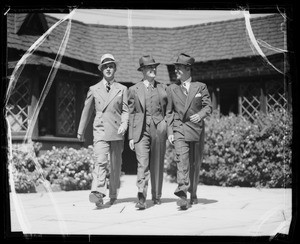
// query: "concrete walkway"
[[222, 211]]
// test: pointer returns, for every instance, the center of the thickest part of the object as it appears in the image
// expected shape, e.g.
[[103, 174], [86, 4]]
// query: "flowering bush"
[[243, 153], [68, 167], [23, 167]]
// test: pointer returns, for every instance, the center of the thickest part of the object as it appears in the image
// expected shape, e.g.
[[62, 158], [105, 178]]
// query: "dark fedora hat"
[[185, 59], [146, 60]]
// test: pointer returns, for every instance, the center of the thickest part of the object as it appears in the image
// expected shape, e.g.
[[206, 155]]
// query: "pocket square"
[[198, 95]]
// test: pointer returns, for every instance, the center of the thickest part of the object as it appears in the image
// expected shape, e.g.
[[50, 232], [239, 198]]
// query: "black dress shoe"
[[112, 201], [194, 201], [183, 203], [156, 201]]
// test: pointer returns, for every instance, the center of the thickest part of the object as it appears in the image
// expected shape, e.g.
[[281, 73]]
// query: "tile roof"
[[206, 42], [48, 62]]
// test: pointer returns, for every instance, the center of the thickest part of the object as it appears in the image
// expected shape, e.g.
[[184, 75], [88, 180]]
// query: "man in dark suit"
[[109, 100], [188, 104], [147, 133]]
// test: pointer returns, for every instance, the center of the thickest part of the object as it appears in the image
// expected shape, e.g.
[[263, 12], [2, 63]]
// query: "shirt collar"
[[111, 82], [188, 81], [147, 83]]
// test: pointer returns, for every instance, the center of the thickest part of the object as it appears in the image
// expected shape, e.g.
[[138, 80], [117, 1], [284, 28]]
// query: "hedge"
[[243, 153], [69, 168]]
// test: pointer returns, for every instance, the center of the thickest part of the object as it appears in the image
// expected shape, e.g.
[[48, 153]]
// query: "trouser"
[[107, 152], [150, 154], [189, 158]]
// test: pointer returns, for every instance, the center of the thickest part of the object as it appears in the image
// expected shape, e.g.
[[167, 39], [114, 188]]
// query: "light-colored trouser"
[[107, 152]]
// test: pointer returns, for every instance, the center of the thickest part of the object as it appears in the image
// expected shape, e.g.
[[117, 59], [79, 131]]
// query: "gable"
[[34, 24]]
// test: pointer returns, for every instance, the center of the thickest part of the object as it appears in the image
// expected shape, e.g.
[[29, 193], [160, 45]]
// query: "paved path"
[[222, 211]]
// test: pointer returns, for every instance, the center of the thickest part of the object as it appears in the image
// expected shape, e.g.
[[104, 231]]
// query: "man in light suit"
[[147, 135], [188, 104], [109, 100]]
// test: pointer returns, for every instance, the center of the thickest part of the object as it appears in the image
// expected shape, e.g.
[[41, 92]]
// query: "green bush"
[[243, 153]]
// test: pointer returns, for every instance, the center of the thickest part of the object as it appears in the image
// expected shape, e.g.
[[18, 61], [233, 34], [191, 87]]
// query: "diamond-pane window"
[[66, 109], [17, 110]]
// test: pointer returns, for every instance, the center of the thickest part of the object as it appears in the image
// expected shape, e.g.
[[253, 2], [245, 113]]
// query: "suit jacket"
[[180, 108], [111, 111], [137, 110]]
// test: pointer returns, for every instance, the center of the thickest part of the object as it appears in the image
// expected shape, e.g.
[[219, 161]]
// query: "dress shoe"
[[96, 197], [112, 201], [183, 203], [156, 201], [194, 201], [140, 205]]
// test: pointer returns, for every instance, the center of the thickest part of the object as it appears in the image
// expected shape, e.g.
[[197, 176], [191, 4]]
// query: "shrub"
[[243, 153], [23, 167], [68, 167], [170, 167]]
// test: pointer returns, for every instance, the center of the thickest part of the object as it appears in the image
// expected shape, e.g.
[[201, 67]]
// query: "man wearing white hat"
[[147, 133], [108, 99]]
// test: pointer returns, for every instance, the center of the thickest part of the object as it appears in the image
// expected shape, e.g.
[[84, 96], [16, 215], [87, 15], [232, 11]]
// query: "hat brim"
[[140, 68], [108, 62], [186, 64]]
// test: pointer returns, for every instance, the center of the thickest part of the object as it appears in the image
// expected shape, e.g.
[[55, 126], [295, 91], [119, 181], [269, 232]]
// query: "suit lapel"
[[111, 95], [100, 89], [179, 93], [159, 87], [140, 90], [192, 92]]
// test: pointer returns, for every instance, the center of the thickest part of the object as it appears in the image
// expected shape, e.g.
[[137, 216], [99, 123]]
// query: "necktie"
[[149, 87], [185, 90], [107, 87]]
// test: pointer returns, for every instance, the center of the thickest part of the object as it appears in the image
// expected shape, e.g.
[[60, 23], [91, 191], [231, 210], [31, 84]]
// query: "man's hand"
[[131, 144], [122, 130], [171, 139], [195, 118]]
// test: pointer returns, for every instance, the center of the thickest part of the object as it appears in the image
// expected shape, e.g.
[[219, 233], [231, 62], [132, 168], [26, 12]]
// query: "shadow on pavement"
[[206, 201], [149, 202]]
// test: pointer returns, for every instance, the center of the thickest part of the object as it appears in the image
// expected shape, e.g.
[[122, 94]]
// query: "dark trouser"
[[150, 154], [189, 159], [102, 149]]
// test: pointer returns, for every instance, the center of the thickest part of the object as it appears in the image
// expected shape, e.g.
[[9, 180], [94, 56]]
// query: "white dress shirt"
[[187, 83], [147, 84]]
